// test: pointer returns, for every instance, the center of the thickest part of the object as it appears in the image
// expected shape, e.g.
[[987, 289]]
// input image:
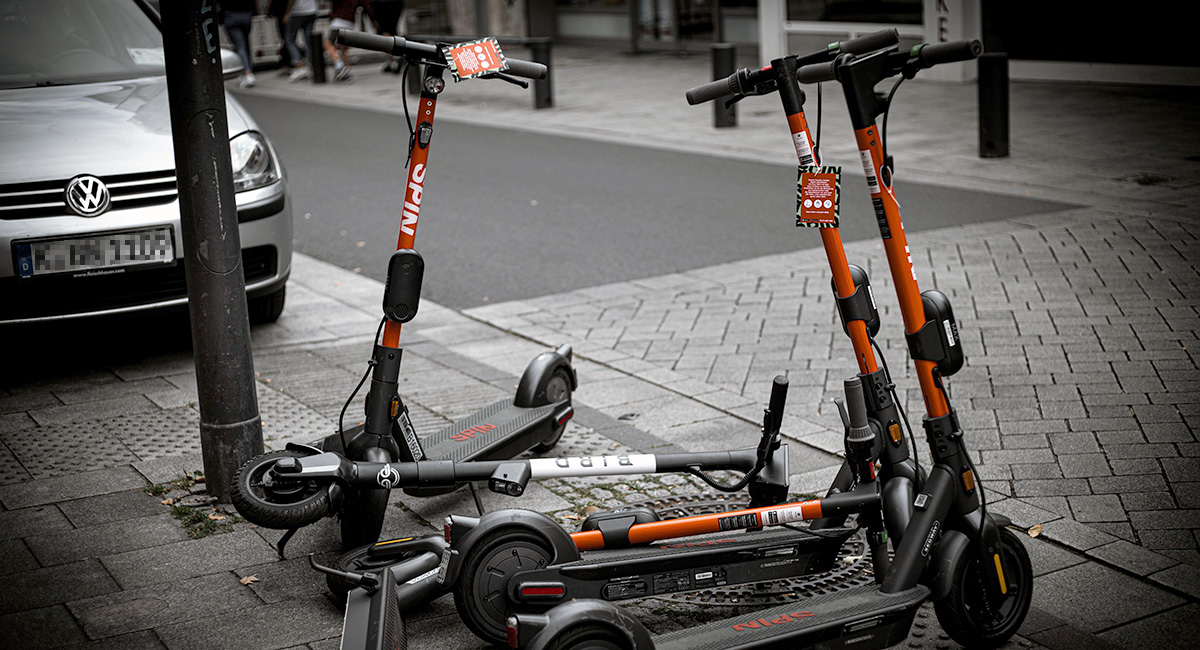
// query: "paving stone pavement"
[[1079, 391]]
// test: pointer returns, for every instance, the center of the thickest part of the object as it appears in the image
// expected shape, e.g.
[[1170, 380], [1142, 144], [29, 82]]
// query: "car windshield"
[[56, 42]]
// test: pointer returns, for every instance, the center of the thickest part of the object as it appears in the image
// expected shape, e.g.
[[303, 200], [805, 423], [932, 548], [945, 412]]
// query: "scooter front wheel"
[[974, 618], [557, 389], [273, 503], [589, 637]]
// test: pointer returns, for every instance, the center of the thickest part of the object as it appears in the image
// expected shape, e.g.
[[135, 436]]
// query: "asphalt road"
[[509, 215]]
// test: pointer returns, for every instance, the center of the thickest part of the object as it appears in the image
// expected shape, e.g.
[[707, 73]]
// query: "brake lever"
[[509, 78]]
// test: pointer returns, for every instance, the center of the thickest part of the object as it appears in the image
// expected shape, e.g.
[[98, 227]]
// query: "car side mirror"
[[231, 64]]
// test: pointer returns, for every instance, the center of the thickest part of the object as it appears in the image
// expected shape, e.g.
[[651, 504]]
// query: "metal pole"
[[724, 63], [539, 51], [993, 105], [316, 57], [230, 428]]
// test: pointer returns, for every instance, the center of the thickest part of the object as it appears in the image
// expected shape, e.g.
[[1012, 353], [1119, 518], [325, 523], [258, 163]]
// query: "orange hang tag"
[[818, 196], [474, 58]]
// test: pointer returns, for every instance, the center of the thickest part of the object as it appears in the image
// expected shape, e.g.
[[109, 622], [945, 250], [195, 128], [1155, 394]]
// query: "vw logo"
[[387, 477], [87, 196]]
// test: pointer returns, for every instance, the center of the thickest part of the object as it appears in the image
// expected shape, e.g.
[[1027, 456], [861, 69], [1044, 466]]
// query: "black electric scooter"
[[953, 551], [534, 418]]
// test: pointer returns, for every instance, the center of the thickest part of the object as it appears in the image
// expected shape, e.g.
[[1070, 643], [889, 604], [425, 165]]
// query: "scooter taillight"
[[446, 523], [512, 631]]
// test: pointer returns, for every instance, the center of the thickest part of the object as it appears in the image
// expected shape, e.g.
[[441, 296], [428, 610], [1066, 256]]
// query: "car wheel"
[[266, 309]]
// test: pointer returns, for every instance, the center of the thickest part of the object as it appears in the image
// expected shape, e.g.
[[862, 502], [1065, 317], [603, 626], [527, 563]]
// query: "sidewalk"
[[1080, 390]]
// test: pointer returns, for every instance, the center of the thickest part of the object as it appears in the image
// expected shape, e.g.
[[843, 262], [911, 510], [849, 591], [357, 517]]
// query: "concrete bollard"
[[724, 62], [539, 51], [993, 105], [316, 57]]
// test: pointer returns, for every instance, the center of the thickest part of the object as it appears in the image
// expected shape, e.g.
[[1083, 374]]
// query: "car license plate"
[[107, 251]]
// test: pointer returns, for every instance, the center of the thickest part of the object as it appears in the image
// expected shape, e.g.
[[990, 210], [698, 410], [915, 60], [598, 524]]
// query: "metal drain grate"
[[10, 468], [287, 420], [158, 434]]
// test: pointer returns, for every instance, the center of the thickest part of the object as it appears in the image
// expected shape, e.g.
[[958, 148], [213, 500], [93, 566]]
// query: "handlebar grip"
[[713, 90], [364, 40], [397, 45], [526, 69], [871, 42], [779, 390], [856, 405], [816, 72], [931, 55]]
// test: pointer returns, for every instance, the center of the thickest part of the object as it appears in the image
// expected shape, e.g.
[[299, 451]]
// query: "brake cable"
[[370, 364]]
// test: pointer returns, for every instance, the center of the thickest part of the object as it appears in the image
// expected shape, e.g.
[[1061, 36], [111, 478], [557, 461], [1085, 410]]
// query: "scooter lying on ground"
[[534, 418], [311, 482], [953, 551]]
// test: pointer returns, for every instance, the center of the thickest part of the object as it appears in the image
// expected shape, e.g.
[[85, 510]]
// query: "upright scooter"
[[953, 551], [534, 418]]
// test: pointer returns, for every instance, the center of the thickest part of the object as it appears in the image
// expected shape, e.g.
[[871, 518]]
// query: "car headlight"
[[253, 165]]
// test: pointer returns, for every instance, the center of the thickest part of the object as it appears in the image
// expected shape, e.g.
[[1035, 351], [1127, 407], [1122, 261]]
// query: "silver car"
[[89, 211]]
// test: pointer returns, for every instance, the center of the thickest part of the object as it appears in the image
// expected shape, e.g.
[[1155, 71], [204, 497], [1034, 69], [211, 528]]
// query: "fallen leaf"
[[248, 579], [572, 517], [590, 509], [1035, 531], [361, 244], [167, 502], [215, 517], [199, 478]]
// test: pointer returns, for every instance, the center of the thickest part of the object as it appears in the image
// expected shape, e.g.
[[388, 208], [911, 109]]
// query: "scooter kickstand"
[[475, 495], [279, 546]]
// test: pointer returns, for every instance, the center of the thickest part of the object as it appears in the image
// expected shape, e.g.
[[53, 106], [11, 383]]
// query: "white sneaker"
[[247, 81], [298, 74]]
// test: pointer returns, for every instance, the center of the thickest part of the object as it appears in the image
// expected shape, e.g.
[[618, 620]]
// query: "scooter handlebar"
[[929, 55], [817, 72], [713, 89], [395, 45], [526, 69], [869, 43]]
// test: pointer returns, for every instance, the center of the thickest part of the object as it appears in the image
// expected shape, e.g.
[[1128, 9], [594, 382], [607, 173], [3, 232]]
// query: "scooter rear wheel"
[[592, 636], [277, 504], [974, 619], [557, 390], [482, 593]]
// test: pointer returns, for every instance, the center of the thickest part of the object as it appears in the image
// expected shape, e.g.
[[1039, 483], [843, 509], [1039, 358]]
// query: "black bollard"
[[993, 105], [316, 57], [539, 51], [230, 427], [724, 60]]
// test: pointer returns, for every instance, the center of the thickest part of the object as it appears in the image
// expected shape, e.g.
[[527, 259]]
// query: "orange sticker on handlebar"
[[474, 58]]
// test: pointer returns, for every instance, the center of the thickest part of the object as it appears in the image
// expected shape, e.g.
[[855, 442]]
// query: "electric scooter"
[[953, 552], [534, 418]]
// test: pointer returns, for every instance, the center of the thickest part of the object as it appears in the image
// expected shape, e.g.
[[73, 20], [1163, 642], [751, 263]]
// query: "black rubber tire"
[[356, 560], [962, 613], [299, 504], [511, 548], [589, 636], [266, 309], [362, 516], [557, 390]]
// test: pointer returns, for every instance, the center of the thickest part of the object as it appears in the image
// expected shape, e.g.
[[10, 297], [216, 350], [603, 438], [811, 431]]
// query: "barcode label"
[[803, 150], [869, 169]]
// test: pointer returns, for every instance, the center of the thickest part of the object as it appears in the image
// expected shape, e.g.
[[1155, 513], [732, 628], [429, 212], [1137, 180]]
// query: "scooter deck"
[[700, 562], [860, 617], [487, 434]]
